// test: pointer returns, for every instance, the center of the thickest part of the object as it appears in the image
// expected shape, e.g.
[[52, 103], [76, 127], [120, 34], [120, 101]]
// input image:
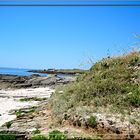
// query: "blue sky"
[[65, 37]]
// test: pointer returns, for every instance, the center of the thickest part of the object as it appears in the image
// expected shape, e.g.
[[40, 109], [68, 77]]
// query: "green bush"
[[7, 137], [134, 99], [92, 122], [56, 135], [19, 113], [39, 137], [134, 61], [8, 124], [25, 111]]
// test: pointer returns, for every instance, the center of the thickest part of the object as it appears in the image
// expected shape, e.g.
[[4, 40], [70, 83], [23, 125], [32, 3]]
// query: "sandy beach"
[[10, 100]]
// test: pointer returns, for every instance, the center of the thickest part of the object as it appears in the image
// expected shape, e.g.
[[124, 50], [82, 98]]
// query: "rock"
[[115, 130], [22, 85], [110, 122], [35, 75], [34, 80]]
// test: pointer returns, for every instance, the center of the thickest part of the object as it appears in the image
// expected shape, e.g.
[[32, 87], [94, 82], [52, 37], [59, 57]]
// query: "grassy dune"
[[111, 85]]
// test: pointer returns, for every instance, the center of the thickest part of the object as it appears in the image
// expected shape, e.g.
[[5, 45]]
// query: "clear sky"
[[64, 37]]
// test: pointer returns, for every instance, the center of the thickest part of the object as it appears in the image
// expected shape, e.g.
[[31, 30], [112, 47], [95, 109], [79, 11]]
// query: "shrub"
[[56, 135], [134, 99], [7, 137], [24, 111], [8, 124], [92, 121], [134, 61], [39, 137], [19, 114]]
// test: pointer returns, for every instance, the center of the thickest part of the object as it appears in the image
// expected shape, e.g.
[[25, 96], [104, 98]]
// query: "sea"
[[18, 71]]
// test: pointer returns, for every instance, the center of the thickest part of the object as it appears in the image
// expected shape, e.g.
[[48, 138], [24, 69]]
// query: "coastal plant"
[[56, 135], [92, 121], [134, 61], [8, 124], [134, 99], [25, 111], [39, 137], [19, 114], [7, 136], [110, 86]]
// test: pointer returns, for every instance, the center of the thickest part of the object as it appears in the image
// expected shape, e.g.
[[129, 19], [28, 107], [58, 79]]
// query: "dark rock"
[[66, 132], [115, 130], [22, 85], [34, 80], [110, 122], [131, 135], [35, 75]]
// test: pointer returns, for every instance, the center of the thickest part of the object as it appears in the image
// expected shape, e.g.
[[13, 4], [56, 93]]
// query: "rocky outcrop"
[[35, 80]]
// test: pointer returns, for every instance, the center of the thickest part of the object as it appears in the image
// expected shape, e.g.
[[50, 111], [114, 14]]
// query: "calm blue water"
[[16, 71]]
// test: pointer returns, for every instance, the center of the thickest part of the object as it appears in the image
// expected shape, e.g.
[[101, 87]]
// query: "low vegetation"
[[39, 137], [8, 124], [7, 137], [92, 121], [25, 111], [112, 84], [32, 99], [53, 135], [71, 71], [56, 135]]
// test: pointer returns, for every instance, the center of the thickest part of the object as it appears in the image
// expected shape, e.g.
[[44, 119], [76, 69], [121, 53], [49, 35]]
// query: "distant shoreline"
[[59, 71]]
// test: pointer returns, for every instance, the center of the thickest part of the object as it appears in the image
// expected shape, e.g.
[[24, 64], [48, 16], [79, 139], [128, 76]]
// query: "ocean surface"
[[17, 71]]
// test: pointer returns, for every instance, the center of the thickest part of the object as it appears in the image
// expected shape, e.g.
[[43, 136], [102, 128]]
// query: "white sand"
[[9, 100]]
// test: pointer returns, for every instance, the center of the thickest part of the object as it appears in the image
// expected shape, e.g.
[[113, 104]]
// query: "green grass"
[[92, 121], [39, 137], [53, 135], [23, 112], [111, 82], [56, 135], [7, 137]]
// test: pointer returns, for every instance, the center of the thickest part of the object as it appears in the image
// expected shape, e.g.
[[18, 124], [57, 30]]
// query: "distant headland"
[[59, 71]]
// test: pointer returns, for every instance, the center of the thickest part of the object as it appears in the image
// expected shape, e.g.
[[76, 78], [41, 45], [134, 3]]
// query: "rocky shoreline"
[[18, 96], [35, 80]]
